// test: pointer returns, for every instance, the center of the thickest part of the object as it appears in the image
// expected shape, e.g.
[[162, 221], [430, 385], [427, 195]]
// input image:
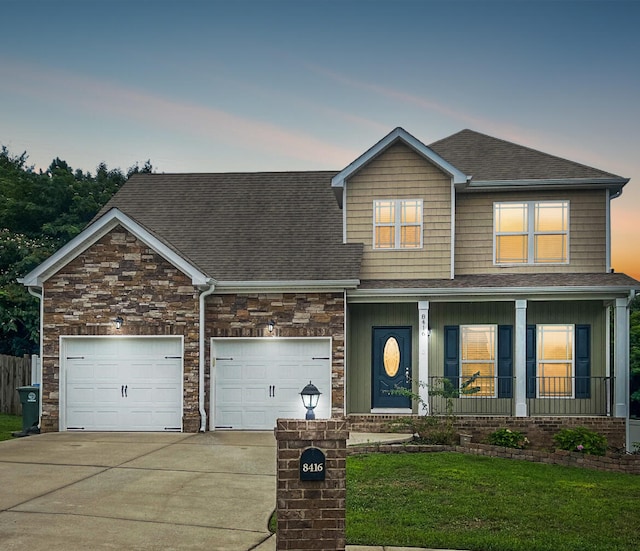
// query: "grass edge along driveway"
[[8, 425], [450, 500]]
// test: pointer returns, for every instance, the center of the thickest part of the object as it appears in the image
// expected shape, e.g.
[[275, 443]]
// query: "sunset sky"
[[216, 86]]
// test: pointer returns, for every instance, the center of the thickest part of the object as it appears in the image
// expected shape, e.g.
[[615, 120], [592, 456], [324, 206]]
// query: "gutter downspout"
[[40, 296], [201, 370]]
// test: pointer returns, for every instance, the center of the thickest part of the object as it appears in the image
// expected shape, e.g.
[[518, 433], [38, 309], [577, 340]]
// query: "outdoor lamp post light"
[[310, 396], [271, 326], [118, 321]]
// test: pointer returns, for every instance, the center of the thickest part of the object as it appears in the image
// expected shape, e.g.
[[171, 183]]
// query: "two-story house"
[[204, 301]]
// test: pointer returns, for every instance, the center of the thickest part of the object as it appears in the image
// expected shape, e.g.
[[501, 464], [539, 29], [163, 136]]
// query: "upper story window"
[[531, 232], [397, 224]]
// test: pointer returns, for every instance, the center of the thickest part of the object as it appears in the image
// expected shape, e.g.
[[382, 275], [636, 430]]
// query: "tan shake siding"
[[587, 232], [119, 276], [400, 173]]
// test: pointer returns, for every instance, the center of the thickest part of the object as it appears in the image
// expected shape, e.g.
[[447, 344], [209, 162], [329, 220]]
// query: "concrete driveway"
[[68, 491]]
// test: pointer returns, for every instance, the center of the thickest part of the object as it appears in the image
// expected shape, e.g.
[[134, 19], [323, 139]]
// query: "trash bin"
[[30, 400]]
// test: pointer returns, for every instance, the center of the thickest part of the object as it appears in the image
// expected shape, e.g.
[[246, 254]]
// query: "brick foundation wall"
[[295, 315], [311, 514], [539, 430], [119, 276]]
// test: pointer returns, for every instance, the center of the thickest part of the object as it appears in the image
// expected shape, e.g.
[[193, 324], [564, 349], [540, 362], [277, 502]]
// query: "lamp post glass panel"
[[310, 396]]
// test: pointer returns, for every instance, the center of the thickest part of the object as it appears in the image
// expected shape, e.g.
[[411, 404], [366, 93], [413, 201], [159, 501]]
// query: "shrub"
[[428, 429], [508, 438], [581, 439]]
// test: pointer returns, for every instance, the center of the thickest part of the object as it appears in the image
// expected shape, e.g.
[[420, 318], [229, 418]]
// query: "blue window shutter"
[[583, 361], [531, 361], [505, 361], [452, 354]]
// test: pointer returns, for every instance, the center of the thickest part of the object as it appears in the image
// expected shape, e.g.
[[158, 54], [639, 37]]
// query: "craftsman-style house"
[[204, 301]]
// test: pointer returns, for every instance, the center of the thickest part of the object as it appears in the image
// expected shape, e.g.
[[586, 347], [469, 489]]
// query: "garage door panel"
[[231, 396], [262, 378], [229, 418], [252, 371], [257, 419], [254, 395], [161, 396], [98, 370]]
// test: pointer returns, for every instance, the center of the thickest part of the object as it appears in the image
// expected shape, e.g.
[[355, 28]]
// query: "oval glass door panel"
[[391, 357]]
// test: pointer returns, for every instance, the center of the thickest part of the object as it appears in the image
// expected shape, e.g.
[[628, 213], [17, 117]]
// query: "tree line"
[[39, 212]]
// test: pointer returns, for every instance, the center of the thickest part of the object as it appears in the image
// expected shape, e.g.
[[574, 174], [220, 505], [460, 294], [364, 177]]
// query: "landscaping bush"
[[428, 429], [508, 438], [581, 439]]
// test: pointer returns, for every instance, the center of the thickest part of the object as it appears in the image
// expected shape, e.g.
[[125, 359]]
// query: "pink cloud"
[[111, 99]]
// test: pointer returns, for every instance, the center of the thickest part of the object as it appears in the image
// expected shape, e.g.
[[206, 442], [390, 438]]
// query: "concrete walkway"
[[212, 491]]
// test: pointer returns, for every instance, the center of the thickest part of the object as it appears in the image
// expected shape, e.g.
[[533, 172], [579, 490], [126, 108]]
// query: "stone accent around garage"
[[119, 276], [295, 315]]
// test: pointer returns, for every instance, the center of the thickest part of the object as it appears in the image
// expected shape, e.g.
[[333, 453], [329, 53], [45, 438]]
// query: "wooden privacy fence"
[[14, 372]]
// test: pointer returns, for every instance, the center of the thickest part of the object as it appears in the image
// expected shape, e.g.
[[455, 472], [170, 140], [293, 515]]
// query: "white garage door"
[[258, 380], [122, 384]]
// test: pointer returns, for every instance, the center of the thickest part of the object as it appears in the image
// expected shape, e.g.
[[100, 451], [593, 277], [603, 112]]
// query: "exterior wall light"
[[271, 325], [310, 396], [118, 322]]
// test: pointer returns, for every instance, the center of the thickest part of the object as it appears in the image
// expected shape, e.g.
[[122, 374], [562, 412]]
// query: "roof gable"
[[95, 232], [396, 135]]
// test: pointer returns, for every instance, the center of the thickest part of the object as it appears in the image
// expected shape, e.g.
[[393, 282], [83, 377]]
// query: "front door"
[[391, 369]]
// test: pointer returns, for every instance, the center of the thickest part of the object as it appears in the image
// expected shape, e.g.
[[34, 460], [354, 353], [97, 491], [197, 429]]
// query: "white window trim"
[[573, 362], [495, 361], [397, 225], [531, 233]]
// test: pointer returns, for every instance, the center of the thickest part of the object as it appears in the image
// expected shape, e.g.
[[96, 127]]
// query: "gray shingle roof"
[[492, 159], [270, 226], [285, 226]]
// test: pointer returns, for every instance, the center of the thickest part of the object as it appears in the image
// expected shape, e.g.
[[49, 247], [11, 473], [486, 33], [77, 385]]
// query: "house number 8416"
[[312, 467]]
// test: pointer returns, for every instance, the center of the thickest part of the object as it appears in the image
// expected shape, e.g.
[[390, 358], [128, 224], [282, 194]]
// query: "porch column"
[[423, 353], [520, 359], [621, 358]]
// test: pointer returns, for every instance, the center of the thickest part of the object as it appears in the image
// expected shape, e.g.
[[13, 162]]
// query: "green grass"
[[448, 500], [8, 425]]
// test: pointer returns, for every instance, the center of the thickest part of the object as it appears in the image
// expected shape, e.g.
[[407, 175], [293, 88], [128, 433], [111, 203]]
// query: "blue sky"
[[276, 85]]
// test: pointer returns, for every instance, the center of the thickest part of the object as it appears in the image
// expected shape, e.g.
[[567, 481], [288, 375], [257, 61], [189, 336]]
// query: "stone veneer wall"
[[295, 315], [539, 430], [119, 275]]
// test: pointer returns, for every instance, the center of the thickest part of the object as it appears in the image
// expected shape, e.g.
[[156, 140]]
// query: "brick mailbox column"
[[311, 491]]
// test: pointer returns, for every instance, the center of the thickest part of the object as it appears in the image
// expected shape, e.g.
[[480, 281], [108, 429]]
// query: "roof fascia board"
[[612, 183], [280, 286], [458, 177], [95, 232], [495, 294]]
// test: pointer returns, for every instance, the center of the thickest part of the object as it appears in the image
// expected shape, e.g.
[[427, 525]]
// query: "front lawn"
[[449, 500], [8, 425]]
